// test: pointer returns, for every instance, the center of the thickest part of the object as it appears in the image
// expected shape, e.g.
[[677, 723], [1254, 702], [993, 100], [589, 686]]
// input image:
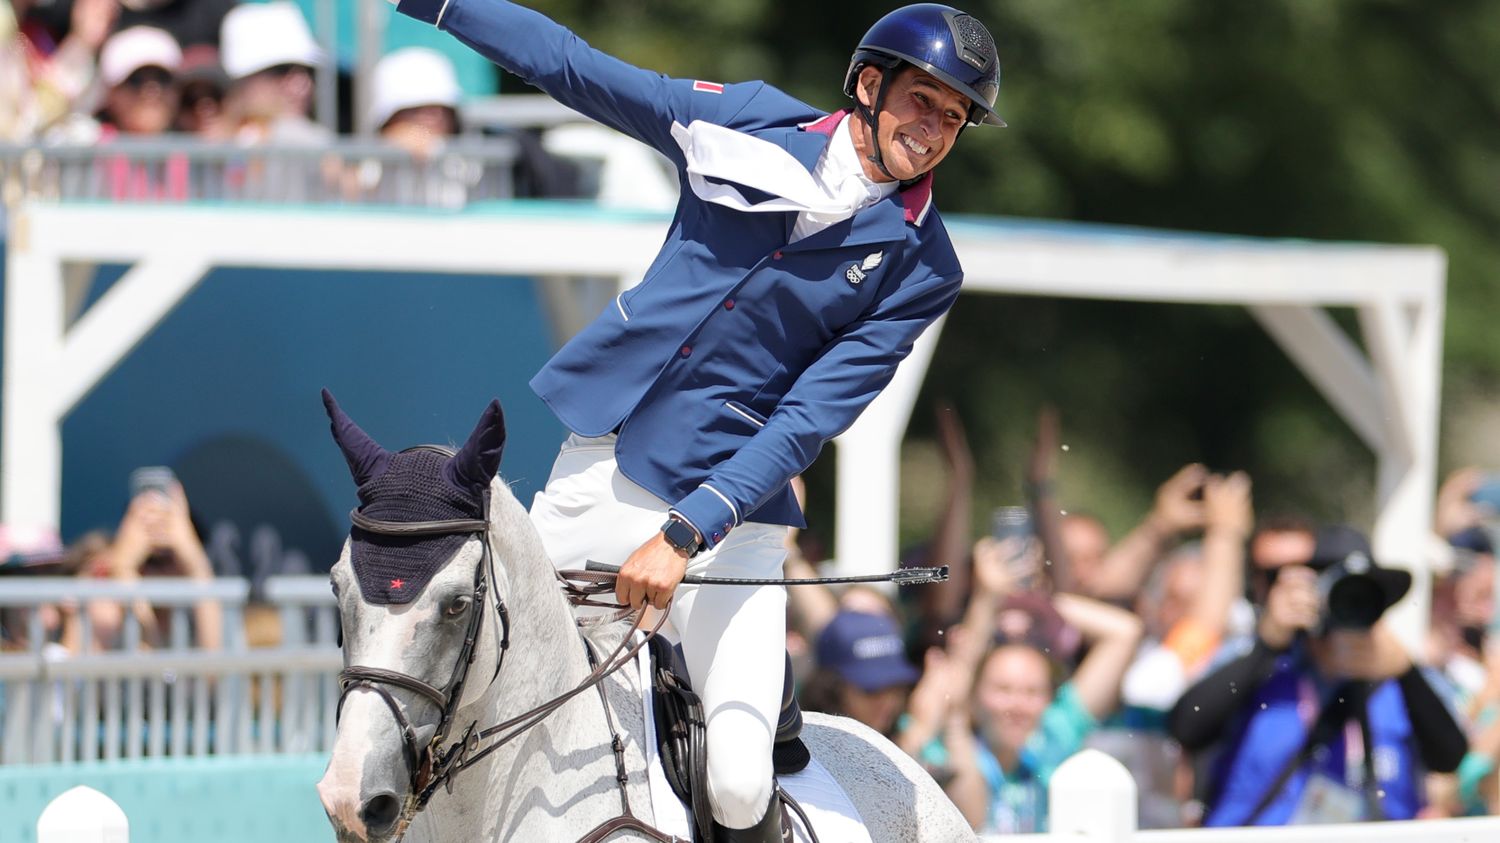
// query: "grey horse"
[[555, 780]]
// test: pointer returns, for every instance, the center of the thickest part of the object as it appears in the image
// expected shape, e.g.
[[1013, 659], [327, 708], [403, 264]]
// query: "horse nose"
[[379, 813]]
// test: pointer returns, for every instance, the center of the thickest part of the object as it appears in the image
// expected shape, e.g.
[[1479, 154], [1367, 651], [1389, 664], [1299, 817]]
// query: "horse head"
[[421, 604]]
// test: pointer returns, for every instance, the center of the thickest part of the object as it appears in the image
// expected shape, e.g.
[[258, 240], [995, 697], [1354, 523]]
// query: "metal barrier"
[[131, 703], [467, 169]]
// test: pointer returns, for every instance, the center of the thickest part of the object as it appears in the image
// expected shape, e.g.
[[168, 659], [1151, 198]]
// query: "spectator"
[[138, 68], [269, 54], [1186, 609], [42, 82], [1322, 669], [862, 671], [414, 103], [203, 83], [155, 538], [1026, 721]]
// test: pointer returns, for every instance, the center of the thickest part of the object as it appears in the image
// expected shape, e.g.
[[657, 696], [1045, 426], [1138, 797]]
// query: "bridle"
[[433, 766]]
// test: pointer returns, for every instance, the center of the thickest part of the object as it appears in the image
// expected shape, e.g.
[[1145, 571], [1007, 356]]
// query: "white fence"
[[174, 701], [1092, 799]]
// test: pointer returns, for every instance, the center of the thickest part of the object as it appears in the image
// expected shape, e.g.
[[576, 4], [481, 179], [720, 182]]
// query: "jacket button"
[[687, 351], [729, 305], [718, 536], [727, 525], [777, 255]]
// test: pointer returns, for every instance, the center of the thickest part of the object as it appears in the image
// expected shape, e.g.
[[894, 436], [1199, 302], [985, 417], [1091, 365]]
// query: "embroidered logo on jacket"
[[708, 87], [857, 271]]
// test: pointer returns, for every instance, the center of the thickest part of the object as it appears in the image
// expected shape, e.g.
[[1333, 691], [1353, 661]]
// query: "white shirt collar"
[[840, 162]]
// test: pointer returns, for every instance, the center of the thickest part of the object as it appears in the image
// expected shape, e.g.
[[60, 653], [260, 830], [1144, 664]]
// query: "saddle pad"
[[833, 815]]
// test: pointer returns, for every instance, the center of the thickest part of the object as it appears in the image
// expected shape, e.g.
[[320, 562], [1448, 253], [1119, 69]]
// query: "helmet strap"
[[871, 116]]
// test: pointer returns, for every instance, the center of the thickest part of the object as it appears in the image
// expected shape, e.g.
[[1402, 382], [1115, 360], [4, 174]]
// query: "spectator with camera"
[[1326, 719], [156, 538]]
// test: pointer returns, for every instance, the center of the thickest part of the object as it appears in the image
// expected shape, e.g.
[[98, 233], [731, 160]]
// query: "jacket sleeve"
[[640, 103], [826, 399]]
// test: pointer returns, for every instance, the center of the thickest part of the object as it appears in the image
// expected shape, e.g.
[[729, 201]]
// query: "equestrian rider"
[[804, 260]]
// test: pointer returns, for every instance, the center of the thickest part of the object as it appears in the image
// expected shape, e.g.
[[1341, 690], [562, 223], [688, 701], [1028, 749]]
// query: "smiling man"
[[804, 260]]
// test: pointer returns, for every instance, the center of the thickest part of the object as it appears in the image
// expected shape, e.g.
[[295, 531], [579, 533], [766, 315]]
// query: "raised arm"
[[1228, 519], [640, 103], [1114, 635], [1175, 512]]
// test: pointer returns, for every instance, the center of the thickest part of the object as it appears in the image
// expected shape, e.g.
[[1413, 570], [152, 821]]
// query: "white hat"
[[259, 36], [411, 77], [131, 49]]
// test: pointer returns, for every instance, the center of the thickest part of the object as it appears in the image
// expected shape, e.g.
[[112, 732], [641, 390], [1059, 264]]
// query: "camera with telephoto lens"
[[1352, 598]]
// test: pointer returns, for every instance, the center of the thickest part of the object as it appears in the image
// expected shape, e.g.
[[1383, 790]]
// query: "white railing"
[[1092, 799], [131, 703]]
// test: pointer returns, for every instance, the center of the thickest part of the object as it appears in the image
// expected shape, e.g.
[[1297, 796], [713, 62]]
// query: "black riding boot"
[[770, 829]]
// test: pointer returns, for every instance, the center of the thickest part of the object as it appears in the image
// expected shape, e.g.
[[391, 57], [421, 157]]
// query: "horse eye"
[[458, 605]]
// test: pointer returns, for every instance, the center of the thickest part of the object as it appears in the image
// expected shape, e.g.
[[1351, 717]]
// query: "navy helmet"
[[951, 45]]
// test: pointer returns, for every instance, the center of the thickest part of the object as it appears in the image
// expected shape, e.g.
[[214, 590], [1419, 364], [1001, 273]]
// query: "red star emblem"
[[396, 584]]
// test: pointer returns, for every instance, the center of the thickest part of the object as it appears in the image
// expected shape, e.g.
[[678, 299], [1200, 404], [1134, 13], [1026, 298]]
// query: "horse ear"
[[367, 460], [478, 460]]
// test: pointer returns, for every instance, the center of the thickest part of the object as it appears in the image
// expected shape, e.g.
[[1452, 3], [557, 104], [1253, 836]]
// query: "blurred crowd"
[[85, 73], [1239, 663]]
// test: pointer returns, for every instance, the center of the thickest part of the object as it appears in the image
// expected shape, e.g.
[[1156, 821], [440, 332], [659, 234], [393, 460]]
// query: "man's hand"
[[1001, 565], [1176, 511], [1369, 655], [1293, 604], [651, 574], [1226, 504]]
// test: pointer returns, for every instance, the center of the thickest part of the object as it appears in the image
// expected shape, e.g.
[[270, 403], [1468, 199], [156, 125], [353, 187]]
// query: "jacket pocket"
[[745, 413]]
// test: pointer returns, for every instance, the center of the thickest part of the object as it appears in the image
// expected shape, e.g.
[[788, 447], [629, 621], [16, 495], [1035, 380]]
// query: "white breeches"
[[734, 637]]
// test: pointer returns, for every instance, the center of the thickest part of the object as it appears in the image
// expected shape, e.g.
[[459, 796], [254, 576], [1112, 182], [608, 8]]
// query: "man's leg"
[[734, 640]]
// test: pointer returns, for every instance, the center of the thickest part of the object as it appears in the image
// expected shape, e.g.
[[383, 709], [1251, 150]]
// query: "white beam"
[[121, 318], [1333, 363], [31, 441], [867, 501]]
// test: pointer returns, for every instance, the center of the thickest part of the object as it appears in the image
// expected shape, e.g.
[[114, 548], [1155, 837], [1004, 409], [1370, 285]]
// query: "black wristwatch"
[[681, 535]]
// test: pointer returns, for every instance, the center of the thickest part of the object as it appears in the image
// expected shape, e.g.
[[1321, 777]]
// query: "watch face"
[[679, 535]]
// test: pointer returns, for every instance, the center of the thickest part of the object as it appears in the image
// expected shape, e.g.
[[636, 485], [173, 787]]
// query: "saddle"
[[681, 732]]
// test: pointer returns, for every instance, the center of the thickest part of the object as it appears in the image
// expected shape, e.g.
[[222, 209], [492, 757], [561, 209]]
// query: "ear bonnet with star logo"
[[416, 485]]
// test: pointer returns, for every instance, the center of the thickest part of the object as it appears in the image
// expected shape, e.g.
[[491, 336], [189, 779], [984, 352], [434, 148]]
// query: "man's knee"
[[740, 788]]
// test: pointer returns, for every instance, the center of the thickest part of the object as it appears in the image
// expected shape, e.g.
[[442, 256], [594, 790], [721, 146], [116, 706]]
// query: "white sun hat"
[[131, 49], [411, 77], [259, 36]]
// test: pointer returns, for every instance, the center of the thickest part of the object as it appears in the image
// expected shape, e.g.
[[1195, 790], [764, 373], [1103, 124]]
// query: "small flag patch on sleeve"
[[708, 87]]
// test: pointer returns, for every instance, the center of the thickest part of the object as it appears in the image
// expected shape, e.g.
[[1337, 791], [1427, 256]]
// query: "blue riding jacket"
[[738, 354]]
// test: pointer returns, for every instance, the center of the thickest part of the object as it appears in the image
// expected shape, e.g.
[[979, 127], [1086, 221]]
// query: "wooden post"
[[82, 815], [1092, 797]]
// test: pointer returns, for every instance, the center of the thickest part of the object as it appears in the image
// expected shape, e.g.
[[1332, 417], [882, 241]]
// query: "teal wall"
[[244, 799]]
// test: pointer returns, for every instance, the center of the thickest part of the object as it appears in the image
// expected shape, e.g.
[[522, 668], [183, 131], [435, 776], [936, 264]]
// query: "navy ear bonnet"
[[395, 569], [426, 483]]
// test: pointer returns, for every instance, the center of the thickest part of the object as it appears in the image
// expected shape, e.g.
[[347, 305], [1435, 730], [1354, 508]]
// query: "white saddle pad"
[[833, 815]]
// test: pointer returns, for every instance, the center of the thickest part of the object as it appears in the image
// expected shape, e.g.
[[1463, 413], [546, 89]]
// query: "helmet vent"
[[978, 47]]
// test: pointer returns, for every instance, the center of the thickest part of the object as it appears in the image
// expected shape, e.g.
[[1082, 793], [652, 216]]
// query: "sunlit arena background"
[[199, 340]]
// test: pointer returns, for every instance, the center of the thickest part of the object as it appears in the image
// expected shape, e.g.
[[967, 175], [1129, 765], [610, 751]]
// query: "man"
[[803, 262], [269, 55], [1326, 719]]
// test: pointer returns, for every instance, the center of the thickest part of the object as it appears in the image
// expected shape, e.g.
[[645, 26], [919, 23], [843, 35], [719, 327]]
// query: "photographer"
[[1326, 719]]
